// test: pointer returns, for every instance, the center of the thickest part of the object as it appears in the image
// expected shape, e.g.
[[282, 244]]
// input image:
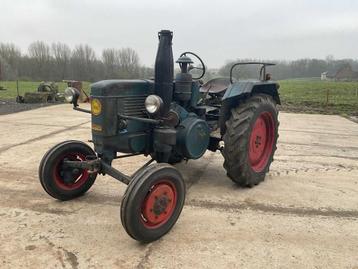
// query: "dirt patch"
[[317, 108], [306, 109], [10, 106]]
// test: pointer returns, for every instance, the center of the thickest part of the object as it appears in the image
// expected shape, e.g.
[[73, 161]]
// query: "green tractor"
[[171, 120]]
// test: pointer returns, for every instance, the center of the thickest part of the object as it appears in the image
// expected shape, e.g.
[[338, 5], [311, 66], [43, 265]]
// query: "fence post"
[[17, 87]]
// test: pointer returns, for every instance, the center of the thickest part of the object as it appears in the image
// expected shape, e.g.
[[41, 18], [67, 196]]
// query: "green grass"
[[308, 96], [30, 86], [311, 96]]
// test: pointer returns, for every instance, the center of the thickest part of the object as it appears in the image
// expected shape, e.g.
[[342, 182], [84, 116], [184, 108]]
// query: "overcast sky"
[[216, 30]]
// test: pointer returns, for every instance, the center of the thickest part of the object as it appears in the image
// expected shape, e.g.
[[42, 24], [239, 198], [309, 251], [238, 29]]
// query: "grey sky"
[[216, 30]]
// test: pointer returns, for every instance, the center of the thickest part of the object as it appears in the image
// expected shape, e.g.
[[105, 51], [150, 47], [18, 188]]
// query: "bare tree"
[[128, 63], [146, 72], [111, 62], [59, 62], [83, 62], [39, 53], [62, 55], [10, 57]]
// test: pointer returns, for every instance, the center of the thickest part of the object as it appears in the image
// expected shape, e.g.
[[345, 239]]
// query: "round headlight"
[[69, 94], [153, 104], [96, 107]]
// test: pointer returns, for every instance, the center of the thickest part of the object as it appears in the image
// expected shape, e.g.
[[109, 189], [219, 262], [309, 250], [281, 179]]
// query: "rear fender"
[[241, 90]]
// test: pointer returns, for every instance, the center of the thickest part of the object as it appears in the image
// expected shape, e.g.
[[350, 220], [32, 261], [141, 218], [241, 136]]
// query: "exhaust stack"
[[164, 70]]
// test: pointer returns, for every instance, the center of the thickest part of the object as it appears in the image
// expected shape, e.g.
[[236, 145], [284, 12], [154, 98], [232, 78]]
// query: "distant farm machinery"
[[48, 92]]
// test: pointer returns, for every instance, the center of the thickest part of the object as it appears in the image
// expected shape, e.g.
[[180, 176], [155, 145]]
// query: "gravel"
[[11, 106]]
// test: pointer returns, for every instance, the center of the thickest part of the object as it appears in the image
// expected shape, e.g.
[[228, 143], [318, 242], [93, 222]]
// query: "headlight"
[[153, 104], [70, 94], [96, 107]]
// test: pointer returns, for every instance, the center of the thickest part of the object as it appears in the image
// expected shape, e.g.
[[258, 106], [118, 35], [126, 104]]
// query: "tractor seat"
[[216, 85]]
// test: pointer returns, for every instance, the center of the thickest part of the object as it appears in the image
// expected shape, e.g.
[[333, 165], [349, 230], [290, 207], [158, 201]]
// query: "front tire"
[[152, 202], [250, 140], [66, 183]]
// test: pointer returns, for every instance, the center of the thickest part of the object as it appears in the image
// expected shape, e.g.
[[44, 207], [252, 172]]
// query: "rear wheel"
[[250, 140], [61, 182], [152, 202]]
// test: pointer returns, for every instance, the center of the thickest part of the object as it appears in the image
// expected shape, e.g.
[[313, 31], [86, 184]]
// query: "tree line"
[[58, 61], [302, 68]]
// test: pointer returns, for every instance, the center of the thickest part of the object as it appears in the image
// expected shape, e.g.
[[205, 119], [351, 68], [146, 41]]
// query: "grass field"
[[317, 96], [308, 96]]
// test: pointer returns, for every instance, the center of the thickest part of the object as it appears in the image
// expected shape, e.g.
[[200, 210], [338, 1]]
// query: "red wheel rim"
[[159, 204], [261, 141], [78, 179]]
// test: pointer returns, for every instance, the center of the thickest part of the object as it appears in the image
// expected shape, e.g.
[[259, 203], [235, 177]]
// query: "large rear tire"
[[250, 140], [61, 182], [152, 202]]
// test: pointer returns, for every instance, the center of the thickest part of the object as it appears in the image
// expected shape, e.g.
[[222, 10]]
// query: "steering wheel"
[[191, 67]]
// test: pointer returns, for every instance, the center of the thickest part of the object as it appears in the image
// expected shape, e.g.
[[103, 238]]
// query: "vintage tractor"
[[169, 120]]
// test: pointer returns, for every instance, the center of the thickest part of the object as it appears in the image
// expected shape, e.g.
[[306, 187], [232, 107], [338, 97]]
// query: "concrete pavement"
[[305, 214]]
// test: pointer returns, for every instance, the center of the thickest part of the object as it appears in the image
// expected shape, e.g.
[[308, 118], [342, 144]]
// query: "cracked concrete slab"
[[304, 215]]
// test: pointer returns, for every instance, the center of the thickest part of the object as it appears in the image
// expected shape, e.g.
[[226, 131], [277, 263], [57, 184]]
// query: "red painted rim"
[[159, 204], [78, 179], [261, 141]]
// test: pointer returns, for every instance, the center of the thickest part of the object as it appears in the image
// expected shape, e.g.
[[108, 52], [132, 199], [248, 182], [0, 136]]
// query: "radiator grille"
[[132, 106]]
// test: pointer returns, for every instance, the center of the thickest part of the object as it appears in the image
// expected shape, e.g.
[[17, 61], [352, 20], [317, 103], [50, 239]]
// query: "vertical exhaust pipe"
[[164, 70]]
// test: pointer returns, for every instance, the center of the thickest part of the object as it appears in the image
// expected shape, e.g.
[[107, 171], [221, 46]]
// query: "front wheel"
[[250, 140], [61, 182], [152, 202]]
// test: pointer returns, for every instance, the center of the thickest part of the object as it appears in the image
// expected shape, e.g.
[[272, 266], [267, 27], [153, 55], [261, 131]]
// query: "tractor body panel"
[[241, 90], [249, 87], [120, 97]]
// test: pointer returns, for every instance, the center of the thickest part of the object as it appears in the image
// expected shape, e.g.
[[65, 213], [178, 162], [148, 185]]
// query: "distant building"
[[324, 76], [345, 73]]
